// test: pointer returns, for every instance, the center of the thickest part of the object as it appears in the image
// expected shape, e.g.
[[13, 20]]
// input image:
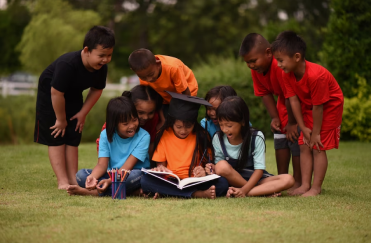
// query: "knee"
[[288, 180], [223, 168]]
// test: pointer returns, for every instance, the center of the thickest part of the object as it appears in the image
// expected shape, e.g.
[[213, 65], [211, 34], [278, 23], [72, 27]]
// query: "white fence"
[[17, 88]]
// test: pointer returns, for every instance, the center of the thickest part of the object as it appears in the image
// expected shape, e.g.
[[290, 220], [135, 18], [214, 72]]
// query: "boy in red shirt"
[[163, 73], [267, 78], [317, 103]]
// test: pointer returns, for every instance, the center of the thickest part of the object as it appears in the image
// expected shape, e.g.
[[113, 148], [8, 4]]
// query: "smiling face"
[[128, 129], [96, 58], [182, 129], [151, 73], [287, 63], [232, 130], [211, 110], [146, 111], [259, 59]]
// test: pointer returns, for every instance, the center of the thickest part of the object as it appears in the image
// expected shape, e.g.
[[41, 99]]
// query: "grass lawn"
[[33, 210]]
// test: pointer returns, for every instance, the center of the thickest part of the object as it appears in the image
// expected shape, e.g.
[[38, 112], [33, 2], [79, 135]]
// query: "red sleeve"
[[289, 90], [320, 90], [259, 88]]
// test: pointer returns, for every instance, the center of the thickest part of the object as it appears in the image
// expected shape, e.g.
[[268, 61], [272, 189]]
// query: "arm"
[[270, 104], [187, 92], [161, 166], [317, 124], [291, 127], [99, 170], [59, 105], [161, 119], [90, 101], [296, 109]]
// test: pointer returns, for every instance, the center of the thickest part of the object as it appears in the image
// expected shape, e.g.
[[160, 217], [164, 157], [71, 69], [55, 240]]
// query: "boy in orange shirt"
[[267, 79], [163, 73], [317, 103]]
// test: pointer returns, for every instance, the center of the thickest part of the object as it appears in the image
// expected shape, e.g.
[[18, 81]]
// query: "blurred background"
[[204, 34]]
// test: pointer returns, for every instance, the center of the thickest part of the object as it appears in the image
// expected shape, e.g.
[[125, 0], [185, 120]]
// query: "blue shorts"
[[247, 173]]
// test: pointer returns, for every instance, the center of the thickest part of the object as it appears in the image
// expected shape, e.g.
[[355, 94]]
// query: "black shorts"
[[43, 132]]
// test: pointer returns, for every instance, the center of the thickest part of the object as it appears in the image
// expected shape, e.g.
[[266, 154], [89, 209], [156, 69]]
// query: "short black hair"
[[99, 35], [220, 92], [290, 43], [119, 109], [146, 93], [141, 59], [251, 41]]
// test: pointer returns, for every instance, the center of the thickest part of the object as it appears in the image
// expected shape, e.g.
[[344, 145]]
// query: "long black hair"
[[235, 109], [120, 109], [146, 93], [203, 142]]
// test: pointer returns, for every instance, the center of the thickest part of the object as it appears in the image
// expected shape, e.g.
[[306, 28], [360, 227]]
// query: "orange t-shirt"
[[176, 152], [175, 77]]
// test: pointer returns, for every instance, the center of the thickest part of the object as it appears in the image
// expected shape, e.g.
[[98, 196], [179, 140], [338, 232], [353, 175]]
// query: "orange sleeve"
[[143, 83], [159, 155], [179, 80]]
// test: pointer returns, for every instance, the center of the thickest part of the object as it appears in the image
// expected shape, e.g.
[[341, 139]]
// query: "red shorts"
[[329, 138]]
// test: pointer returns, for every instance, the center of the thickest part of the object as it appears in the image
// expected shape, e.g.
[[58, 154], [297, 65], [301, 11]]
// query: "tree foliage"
[[346, 51]]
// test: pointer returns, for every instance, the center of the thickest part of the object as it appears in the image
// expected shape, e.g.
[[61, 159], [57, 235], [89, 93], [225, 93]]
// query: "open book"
[[176, 181]]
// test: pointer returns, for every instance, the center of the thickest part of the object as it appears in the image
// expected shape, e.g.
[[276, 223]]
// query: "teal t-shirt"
[[234, 150], [120, 149]]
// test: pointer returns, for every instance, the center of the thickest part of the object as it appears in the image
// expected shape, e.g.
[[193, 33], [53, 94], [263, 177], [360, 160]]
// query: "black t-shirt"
[[68, 74]]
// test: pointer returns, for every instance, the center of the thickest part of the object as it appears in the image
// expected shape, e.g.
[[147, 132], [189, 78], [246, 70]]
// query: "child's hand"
[[276, 125], [306, 135], [103, 185], [235, 192], [316, 140], [159, 125], [80, 121], [161, 168], [199, 171], [292, 132], [59, 128], [91, 182], [210, 168]]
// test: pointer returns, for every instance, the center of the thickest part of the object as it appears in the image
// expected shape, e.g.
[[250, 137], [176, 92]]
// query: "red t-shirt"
[[272, 83], [150, 127], [317, 87]]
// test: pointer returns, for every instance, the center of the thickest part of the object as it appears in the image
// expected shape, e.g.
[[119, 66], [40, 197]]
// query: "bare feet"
[[209, 193], [293, 188], [63, 186], [76, 190], [299, 191], [312, 192], [276, 194], [140, 193]]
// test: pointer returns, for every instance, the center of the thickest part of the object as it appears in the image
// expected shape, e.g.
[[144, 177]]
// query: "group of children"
[[155, 124]]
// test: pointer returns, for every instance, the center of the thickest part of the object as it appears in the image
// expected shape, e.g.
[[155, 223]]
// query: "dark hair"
[[248, 43], [290, 43], [203, 141], [235, 109], [141, 59], [220, 92], [99, 35], [119, 109], [146, 93]]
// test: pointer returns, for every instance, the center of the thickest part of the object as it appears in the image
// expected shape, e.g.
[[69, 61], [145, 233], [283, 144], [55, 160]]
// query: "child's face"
[[211, 111], [151, 73], [232, 130], [182, 130], [259, 60], [98, 57], [287, 63], [146, 111], [127, 129]]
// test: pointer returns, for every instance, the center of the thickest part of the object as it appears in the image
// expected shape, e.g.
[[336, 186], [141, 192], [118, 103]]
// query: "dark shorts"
[[281, 142], [42, 133], [247, 173]]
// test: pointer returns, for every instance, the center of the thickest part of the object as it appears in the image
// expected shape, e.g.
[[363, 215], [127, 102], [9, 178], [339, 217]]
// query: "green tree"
[[346, 51], [55, 28]]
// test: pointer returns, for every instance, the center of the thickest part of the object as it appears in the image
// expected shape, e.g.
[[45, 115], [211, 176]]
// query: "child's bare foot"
[[293, 188], [276, 194], [63, 186], [312, 192], [299, 191], [209, 193], [76, 190]]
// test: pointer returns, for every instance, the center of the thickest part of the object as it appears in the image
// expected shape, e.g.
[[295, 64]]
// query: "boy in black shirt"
[[60, 110]]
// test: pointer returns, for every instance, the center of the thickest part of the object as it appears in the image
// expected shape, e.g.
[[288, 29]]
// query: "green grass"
[[33, 210]]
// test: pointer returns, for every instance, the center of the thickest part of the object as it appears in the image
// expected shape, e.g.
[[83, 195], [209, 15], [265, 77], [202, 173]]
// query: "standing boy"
[[267, 79], [163, 73], [60, 110], [317, 103]]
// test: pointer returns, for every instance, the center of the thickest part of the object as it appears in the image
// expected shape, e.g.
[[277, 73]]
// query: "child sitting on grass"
[[183, 147], [123, 145], [240, 154]]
